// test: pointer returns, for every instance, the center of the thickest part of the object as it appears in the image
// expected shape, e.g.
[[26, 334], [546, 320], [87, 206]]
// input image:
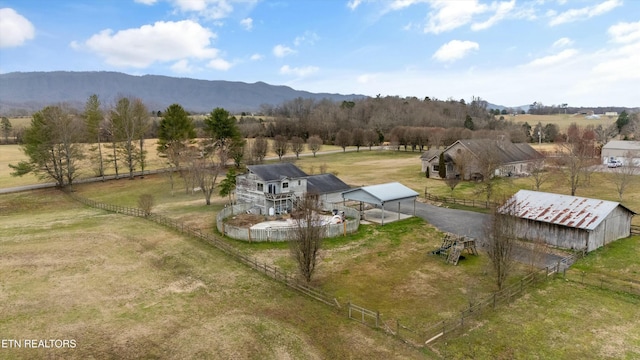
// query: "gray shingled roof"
[[379, 194], [325, 183], [430, 154], [508, 151], [270, 172]]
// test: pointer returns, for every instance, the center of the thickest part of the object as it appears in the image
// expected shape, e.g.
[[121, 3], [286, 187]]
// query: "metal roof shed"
[[381, 194], [568, 221]]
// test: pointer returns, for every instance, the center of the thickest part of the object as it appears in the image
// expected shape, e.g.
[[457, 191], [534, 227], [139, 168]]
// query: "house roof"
[[379, 194], [571, 211], [325, 183], [622, 145], [507, 151], [271, 172], [430, 154]]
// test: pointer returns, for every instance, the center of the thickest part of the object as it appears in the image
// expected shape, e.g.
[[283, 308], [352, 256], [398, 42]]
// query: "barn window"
[[260, 187], [285, 185]]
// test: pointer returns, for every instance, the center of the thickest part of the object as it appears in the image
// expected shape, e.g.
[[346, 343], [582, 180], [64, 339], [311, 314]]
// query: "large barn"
[[569, 222]]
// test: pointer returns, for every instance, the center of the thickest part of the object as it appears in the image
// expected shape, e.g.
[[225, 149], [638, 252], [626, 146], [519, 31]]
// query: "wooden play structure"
[[453, 246]]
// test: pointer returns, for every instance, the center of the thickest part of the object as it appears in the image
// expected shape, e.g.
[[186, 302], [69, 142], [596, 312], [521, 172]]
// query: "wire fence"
[[629, 286]]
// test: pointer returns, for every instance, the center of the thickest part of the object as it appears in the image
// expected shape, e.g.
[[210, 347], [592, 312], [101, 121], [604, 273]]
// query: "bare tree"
[[146, 202], [624, 175], [343, 139], [314, 144], [297, 145], [205, 173], [370, 138], [501, 233], [538, 172], [357, 138], [259, 148], [308, 235], [463, 162], [488, 163], [577, 157], [280, 146], [452, 182]]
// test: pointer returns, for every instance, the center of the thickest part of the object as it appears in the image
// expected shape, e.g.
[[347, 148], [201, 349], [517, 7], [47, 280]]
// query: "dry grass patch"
[[126, 288]]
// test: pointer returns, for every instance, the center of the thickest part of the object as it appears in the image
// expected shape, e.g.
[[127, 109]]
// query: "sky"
[[510, 53]]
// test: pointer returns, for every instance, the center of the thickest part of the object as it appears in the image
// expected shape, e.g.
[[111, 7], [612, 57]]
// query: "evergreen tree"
[[442, 170]]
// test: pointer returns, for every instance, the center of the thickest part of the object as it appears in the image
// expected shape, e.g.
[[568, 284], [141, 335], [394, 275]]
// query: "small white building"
[[624, 151], [569, 222]]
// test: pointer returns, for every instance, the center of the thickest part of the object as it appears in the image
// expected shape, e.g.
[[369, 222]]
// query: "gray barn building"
[[569, 222]]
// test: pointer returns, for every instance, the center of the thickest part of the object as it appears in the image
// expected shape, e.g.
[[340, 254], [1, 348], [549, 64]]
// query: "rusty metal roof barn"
[[565, 210]]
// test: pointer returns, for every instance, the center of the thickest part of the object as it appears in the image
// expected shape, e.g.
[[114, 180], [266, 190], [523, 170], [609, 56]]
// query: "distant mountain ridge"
[[31, 91]]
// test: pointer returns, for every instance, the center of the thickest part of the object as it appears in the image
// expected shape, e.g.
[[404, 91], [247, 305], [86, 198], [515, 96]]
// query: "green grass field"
[[123, 287]]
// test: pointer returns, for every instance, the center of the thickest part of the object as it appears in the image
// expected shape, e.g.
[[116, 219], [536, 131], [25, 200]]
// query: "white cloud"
[[563, 42], [502, 10], [256, 57], [449, 15], [553, 59], [455, 50], [247, 23], [211, 9], [308, 37], [182, 67], [146, 2], [15, 29], [353, 4], [584, 13], [365, 78], [220, 64], [160, 42], [298, 71], [282, 51], [625, 32]]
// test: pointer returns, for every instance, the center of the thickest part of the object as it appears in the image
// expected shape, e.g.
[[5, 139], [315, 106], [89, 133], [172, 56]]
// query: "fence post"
[[377, 318]]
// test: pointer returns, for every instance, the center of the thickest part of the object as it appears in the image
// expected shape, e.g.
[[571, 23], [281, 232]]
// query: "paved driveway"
[[469, 223]]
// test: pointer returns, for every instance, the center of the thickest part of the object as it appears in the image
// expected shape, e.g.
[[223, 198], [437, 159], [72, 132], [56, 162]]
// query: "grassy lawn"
[[122, 287]]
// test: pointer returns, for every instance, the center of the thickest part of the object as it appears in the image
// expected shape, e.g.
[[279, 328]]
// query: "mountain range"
[[25, 92]]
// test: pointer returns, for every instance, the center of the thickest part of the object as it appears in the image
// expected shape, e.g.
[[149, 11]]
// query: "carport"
[[381, 195]]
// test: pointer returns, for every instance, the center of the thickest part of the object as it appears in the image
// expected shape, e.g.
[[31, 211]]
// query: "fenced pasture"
[[126, 287]]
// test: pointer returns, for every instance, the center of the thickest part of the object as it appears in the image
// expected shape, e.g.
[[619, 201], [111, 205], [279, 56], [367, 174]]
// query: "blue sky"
[[512, 53]]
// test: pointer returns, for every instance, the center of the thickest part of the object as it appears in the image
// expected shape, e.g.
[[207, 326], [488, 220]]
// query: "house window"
[[436, 167], [285, 185], [260, 187], [298, 182]]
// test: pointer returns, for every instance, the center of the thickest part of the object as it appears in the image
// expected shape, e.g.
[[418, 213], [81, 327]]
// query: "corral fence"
[[465, 202], [600, 281], [268, 270], [282, 233], [635, 229]]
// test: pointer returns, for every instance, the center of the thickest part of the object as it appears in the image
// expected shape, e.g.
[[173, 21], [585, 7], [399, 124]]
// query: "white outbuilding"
[[624, 151]]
